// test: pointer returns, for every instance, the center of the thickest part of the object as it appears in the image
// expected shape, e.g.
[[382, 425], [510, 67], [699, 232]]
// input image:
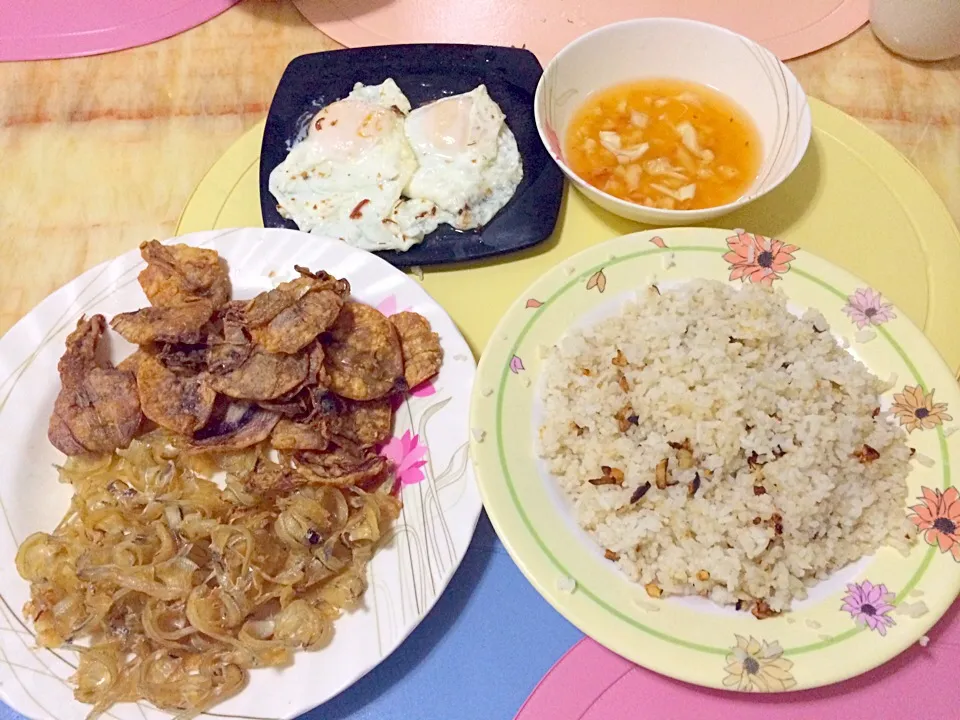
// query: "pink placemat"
[[787, 27], [48, 29], [592, 683]]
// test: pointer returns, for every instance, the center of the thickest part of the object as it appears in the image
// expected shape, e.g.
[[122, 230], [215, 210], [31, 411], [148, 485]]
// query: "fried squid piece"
[[179, 324], [298, 326], [291, 316], [178, 274], [263, 376], [267, 305], [181, 404], [97, 409], [363, 356], [422, 354]]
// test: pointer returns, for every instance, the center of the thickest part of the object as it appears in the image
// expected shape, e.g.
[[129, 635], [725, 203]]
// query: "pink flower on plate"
[[869, 605], [516, 364], [758, 259], [406, 453], [866, 307], [424, 389]]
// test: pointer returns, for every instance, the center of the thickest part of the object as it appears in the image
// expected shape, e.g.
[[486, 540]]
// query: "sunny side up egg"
[[469, 164], [346, 177], [378, 179]]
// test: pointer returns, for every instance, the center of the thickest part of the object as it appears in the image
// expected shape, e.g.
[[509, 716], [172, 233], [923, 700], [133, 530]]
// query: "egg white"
[[345, 179], [468, 161], [381, 177]]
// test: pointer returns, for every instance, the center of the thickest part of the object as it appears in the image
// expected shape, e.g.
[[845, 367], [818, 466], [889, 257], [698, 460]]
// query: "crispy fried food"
[[363, 356], [289, 435], [97, 409], [266, 306], [422, 354], [341, 467], [235, 425], [178, 324], [178, 274], [290, 397], [364, 423], [182, 404], [80, 356], [299, 325], [263, 376], [291, 316]]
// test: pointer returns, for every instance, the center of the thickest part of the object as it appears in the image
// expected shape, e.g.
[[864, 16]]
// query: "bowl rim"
[[805, 128]]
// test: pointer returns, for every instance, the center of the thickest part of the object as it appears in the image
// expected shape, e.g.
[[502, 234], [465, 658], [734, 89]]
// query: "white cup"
[[918, 29]]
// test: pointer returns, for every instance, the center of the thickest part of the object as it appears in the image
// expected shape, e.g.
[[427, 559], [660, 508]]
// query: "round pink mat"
[[48, 29], [787, 27], [592, 683]]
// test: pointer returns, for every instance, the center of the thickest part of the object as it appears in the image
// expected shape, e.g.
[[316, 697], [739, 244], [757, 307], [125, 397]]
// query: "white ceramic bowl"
[[750, 75]]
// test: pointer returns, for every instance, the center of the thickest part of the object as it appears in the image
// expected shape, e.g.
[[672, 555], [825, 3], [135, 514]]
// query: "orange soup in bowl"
[[666, 144]]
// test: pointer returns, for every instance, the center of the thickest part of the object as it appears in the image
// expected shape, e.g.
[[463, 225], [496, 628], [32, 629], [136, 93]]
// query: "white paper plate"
[[407, 575]]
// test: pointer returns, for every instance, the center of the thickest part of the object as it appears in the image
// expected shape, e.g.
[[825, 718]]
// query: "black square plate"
[[426, 73]]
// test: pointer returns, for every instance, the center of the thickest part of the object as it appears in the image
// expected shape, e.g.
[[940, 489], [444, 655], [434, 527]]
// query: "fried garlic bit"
[[610, 476], [663, 476], [761, 610], [866, 455], [626, 417]]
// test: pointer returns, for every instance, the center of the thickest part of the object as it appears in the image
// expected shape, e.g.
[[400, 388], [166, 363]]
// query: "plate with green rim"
[[817, 642]]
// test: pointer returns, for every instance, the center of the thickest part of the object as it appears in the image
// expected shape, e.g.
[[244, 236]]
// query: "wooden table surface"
[[101, 153]]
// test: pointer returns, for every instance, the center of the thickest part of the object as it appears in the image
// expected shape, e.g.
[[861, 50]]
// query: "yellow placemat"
[[854, 200]]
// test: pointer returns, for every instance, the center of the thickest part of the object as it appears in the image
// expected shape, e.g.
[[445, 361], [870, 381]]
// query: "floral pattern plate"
[[860, 617], [441, 503]]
